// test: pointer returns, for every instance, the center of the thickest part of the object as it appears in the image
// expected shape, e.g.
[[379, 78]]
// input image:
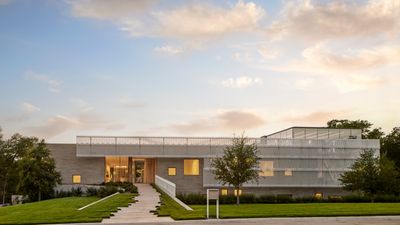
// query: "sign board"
[[212, 194]]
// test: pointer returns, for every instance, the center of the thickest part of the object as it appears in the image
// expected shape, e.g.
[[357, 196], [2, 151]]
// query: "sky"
[[195, 68]]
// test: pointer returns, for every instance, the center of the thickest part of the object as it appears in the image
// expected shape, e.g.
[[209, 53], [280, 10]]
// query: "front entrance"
[[139, 171], [129, 169]]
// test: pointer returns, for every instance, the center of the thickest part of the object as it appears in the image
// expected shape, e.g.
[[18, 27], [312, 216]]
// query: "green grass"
[[63, 210], [302, 210]]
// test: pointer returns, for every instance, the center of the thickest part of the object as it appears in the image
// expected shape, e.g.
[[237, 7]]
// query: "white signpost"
[[212, 194]]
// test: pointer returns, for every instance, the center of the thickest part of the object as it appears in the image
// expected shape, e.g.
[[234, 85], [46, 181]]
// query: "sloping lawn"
[[63, 210], [302, 210]]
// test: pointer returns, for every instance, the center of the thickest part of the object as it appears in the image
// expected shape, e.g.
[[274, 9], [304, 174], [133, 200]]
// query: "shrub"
[[386, 198], [355, 198], [62, 194], [91, 191], [308, 199], [284, 199], [335, 199], [76, 191], [193, 198], [126, 186], [227, 199], [248, 198], [106, 191], [266, 199]]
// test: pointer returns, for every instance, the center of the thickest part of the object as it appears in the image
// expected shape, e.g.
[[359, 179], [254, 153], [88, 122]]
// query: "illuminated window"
[[191, 167], [240, 192], [171, 171], [318, 195], [76, 179], [267, 169], [288, 172], [224, 191]]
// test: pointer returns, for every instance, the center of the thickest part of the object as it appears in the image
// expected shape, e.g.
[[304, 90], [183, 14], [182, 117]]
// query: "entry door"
[[139, 171]]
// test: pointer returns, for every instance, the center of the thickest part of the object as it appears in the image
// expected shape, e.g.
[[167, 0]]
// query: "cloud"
[[241, 82], [168, 49], [361, 59], [53, 84], [29, 107], [318, 117], [225, 121], [59, 124], [193, 22], [128, 103], [4, 2], [311, 20]]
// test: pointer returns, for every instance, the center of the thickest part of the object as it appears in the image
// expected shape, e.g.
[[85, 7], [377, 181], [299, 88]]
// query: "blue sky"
[[195, 68]]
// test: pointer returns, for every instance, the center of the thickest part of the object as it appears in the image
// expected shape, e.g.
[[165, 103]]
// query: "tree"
[[390, 146], [238, 164], [364, 125], [364, 174], [372, 175], [11, 152], [38, 175]]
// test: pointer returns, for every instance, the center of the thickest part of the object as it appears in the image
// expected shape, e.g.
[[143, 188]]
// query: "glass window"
[[171, 171], [76, 179], [236, 192], [318, 195], [224, 191], [267, 169], [191, 167], [116, 169], [288, 172]]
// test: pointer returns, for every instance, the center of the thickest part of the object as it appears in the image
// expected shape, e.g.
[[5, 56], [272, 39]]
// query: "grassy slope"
[[63, 210], [303, 210]]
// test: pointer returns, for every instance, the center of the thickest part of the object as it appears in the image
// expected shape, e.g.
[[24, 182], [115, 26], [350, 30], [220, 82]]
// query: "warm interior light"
[[224, 191], [76, 179], [266, 168], [171, 171], [240, 192], [191, 167], [288, 172]]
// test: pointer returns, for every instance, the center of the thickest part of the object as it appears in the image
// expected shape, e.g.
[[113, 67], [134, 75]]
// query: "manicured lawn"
[[302, 210], [63, 210]]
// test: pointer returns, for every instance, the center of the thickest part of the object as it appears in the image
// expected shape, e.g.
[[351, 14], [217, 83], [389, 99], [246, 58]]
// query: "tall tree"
[[38, 175], [238, 164], [11, 151], [364, 125], [390, 146], [364, 175]]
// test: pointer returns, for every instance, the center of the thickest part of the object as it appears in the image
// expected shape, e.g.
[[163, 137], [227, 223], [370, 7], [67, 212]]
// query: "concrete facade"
[[91, 170]]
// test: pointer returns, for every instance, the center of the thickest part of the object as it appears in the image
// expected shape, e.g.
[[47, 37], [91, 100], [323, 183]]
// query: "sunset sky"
[[195, 68]]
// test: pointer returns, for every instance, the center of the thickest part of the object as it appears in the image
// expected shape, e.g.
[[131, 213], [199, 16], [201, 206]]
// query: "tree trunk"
[[4, 189], [40, 195], [237, 196]]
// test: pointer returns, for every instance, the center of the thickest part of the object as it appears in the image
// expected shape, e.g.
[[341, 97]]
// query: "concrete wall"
[[184, 183], [91, 170]]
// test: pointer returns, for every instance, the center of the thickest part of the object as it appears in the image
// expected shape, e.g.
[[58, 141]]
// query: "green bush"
[[62, 194], [308, 199], [77, 192], [227, 199], [106, 191], [91, 191], [266, 199], [284, 199], [126, 186], [193, 198], [356, 198], [386, 198]]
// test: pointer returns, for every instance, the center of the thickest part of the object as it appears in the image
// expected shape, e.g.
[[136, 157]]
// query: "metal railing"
[[223, 141]]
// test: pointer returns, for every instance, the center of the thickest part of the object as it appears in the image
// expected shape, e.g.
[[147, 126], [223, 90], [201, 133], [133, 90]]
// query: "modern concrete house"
[[299, 161]]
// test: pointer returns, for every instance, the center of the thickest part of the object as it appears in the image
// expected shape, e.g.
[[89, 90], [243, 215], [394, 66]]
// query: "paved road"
[[373, 220]]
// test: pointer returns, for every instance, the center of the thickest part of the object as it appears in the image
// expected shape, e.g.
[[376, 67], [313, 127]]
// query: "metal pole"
[[217, 209]]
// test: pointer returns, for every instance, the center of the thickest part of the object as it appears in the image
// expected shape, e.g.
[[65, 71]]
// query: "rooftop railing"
[[222, 141]]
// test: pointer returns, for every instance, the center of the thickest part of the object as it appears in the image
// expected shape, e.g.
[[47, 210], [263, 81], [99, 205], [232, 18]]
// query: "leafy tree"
[[238, 164], [38, 175], [390, 146], [364, 174], [11, 152], [364, 125], [371, 175]]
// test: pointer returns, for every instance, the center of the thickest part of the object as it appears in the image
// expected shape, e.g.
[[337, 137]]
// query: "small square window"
[[236, 191], [171, 171], [76, 179], [266, 169], [288, 172], [224, 191], [318, 195]]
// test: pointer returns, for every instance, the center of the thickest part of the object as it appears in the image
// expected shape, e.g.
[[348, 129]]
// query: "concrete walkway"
[[139, 211]]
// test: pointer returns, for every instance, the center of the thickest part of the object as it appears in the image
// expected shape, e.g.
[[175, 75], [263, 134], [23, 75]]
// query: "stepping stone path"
[[139, 211]]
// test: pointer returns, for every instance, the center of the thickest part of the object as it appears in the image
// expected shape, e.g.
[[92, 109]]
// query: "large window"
[[191, 167], [117, 169], [266, 168]]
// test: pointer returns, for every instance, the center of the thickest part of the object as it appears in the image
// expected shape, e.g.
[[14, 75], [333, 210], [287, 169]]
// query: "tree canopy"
[[238, 164], [366, 131]]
